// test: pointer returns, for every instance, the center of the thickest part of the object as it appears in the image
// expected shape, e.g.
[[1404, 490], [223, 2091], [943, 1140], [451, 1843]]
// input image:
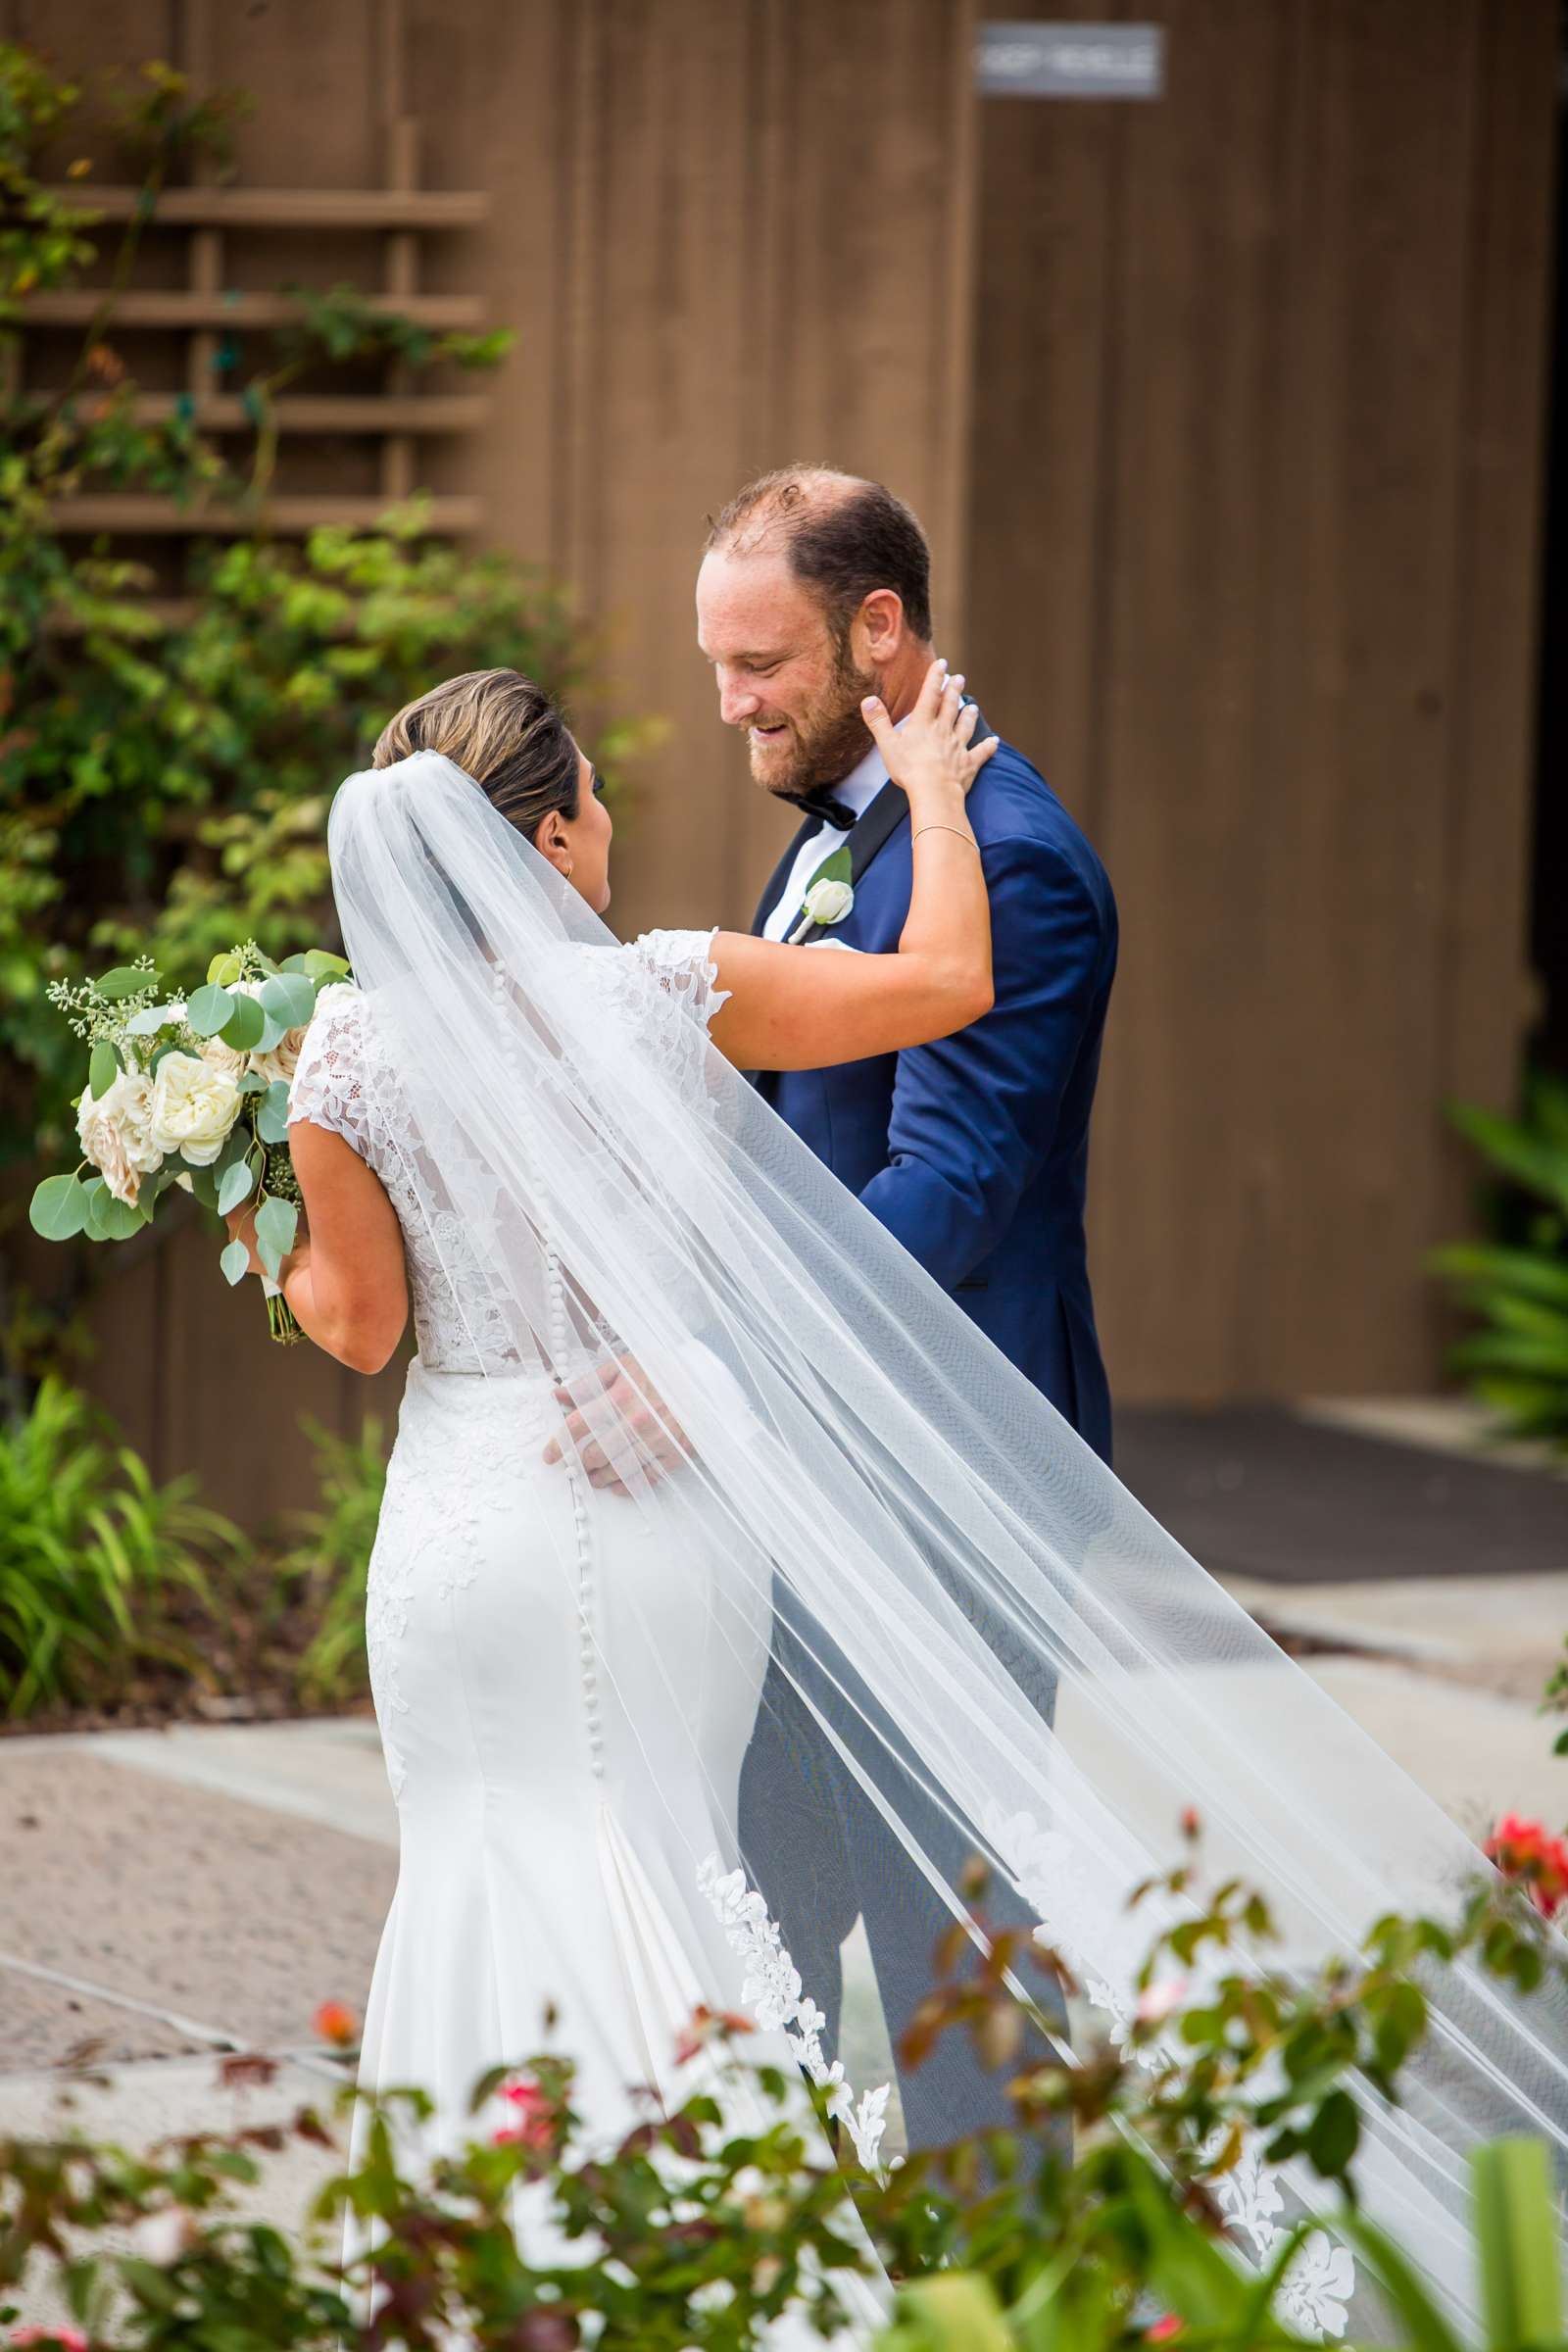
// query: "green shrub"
[[164, 772], [93, 1556], [695, 2235], [1515, 1284], [331, 1558]]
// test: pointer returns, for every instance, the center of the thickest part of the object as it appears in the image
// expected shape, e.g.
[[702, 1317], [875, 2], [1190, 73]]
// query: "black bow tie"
[[823, 805]]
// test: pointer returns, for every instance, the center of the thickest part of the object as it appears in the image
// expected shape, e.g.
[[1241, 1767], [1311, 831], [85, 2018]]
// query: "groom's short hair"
[[844, 536]]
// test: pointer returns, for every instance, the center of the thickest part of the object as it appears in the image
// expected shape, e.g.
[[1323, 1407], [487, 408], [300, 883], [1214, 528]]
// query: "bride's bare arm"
[[345, 1279], [793, 1011]]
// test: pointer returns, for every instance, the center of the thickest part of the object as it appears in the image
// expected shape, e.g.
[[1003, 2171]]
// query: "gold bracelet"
[[952, 829]]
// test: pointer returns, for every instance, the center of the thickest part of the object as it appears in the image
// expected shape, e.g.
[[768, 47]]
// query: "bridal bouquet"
[[189, 1091]]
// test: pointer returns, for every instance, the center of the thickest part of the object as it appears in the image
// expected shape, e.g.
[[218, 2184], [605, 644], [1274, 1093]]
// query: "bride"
[[681, 1407]]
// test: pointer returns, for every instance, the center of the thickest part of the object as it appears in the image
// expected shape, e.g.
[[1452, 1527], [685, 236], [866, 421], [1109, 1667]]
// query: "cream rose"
[[194, 1106], [114, 1132], [284, 1059], [226, 1059]]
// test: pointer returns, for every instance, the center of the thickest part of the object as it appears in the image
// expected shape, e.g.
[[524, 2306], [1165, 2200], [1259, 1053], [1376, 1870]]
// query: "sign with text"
[[1070, 61]]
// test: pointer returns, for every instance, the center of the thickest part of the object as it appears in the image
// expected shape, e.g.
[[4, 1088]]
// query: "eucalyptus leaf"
[[99, 1197], [59, 1207], [236, 1145], [125, 981], [276, 1223], [253, 1083], [243, 1028], [103, 1069], [289, 998], [294, 963], [235, 1262], [115, 1219], [322, 966], [204, 1186], [237, 1185], [209, 1009], [272, 1117], [153, 1017], [224, 969], [271, 1036]]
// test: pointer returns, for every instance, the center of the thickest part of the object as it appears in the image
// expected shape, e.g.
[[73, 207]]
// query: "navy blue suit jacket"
[[974, 1152]]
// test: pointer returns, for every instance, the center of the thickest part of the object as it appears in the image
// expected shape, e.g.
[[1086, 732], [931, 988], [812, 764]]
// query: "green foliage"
[[331, 1558], [692, 2234], [92, 1552], [163, 779], [699, 2230], [1515, 1285]]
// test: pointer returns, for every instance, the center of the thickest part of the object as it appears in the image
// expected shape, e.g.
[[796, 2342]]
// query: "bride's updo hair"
[[502, 730]]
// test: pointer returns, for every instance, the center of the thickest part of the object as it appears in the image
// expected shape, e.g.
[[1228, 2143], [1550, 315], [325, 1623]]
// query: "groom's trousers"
[[820, 1852]]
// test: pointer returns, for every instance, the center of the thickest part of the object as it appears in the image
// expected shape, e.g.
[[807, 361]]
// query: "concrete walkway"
[[173, 1894]]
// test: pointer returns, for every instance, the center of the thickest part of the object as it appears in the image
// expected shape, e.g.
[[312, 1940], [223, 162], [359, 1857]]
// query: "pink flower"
[[1160, 2000], [70, 2339], [1164, 2330], [535, 2114]]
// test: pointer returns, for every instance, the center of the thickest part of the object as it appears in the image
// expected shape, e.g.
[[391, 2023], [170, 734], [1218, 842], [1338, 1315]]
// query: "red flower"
[[1527, 1852], [535, 2113], [1164, 2330], [71, 2339], [333, 2022]]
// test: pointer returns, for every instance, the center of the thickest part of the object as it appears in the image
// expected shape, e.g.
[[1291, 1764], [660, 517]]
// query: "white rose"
[[829, 902], [194, 1106], [115, 1131]]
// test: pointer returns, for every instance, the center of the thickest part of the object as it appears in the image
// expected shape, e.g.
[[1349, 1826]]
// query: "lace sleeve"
[[682, 962], [328, 1084]]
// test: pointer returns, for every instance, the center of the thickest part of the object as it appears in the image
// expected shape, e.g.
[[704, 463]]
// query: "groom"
[[815, 591]]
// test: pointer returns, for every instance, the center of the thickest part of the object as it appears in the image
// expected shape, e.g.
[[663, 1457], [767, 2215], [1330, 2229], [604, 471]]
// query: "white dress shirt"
[[858, 791]]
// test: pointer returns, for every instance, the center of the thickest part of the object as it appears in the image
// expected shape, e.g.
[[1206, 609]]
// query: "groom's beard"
[[821, 746]]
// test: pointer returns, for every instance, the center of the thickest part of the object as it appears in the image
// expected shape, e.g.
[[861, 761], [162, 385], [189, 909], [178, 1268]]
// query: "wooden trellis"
[[398, 417]]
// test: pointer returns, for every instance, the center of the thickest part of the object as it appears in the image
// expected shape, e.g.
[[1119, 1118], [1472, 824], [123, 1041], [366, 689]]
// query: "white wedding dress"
[[981, 1628], [551, 1839]]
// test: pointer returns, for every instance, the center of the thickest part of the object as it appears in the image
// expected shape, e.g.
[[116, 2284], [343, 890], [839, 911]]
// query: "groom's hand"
[[629, 1410]]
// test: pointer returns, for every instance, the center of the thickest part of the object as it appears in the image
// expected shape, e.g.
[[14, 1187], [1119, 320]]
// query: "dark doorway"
[[1549, 890]]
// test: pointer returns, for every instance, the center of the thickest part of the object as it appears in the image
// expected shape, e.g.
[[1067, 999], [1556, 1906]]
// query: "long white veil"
[[978, 1623]]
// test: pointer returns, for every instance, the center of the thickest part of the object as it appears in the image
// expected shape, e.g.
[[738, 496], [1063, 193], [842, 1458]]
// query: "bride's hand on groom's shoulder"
[[624, 1421], [933, 755]]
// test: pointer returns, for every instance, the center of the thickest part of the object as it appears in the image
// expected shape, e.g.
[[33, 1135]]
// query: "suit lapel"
[[778, 879]]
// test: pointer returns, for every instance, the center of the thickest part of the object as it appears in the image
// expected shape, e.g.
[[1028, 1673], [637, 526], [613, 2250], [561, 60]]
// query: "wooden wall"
[[729, 233], [1256, 478], [1224, 415]]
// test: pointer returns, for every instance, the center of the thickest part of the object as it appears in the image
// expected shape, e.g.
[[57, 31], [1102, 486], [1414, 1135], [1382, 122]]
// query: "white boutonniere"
[[828, 898]]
